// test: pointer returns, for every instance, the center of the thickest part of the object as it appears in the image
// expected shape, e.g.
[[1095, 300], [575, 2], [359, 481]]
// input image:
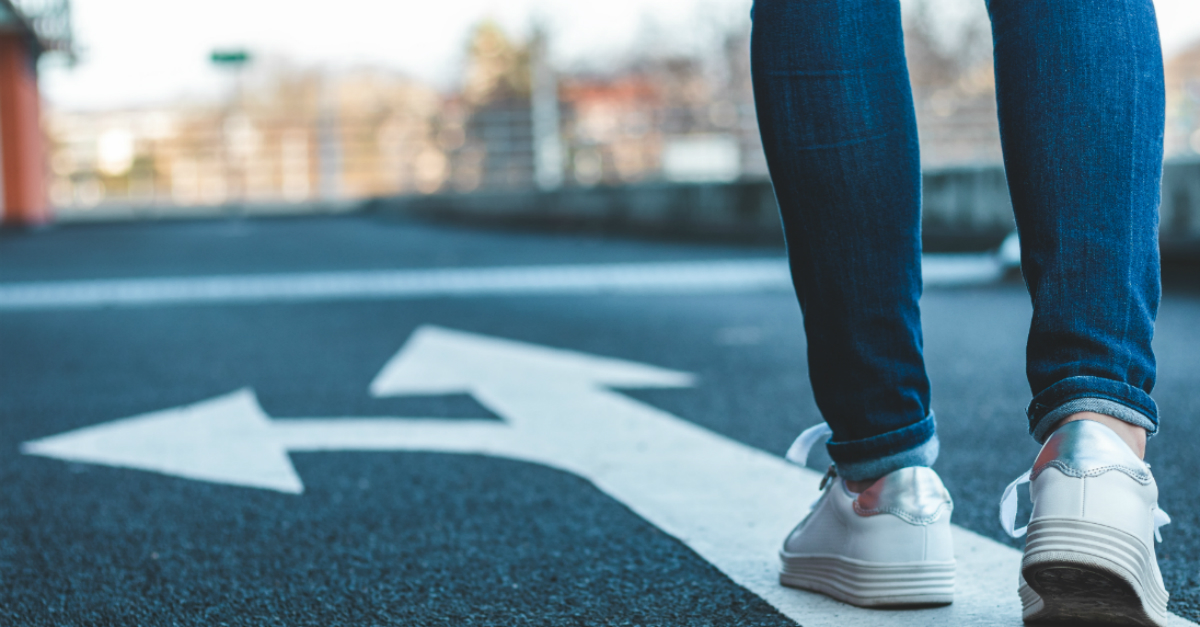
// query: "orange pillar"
[[22, 154]]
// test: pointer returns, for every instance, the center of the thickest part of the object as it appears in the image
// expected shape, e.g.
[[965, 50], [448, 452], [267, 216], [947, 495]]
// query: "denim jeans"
[[1080, 93]]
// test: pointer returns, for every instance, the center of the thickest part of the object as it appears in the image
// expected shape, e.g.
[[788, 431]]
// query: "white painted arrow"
[[730, 503], [229, 439]]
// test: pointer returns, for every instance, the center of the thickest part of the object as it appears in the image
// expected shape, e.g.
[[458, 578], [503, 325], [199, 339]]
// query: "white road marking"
[[730, 503], [726, 276], [230, 440]]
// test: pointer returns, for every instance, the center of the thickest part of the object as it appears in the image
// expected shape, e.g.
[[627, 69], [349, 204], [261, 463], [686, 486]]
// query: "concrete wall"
[[975, 201], [1179, 217], [964, 209], [966, 202], [740, 211]]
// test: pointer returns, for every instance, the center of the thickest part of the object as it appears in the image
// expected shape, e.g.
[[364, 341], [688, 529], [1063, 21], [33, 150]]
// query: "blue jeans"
[[1080, 92]]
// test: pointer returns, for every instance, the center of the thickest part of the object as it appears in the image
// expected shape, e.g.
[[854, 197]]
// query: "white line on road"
[[730, 503], [725, 276]]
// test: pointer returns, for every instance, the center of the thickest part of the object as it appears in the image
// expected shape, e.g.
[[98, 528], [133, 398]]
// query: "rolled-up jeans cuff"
[[876, 456], [1095, 394]]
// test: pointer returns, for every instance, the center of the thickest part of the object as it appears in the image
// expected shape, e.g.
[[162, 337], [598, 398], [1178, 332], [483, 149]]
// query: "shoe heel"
[[1090, 573]]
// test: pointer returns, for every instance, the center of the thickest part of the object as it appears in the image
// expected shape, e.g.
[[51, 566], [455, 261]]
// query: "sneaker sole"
[[871, 585], [1077, 571]]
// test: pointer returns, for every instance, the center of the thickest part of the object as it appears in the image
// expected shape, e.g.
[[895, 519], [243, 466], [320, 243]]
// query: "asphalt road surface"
[[421, 538]]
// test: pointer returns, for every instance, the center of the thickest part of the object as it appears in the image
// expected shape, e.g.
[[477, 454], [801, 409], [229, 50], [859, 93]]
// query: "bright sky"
[[137, 52]]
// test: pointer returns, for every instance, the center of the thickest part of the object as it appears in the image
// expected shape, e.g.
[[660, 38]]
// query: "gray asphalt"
[[427, 539]]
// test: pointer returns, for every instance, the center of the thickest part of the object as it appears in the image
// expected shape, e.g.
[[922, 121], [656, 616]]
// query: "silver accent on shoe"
[[1083, 448], [915, 495], [1086, 448]]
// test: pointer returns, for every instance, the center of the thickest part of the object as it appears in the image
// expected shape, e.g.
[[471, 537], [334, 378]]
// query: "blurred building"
[[1183, 103], [28, 28], [612, 129], [674, 118], [496, 100], [953, 86], [289, 135], [292, 136]]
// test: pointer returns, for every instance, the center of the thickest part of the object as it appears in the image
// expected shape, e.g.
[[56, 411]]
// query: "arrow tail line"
[[393, 434]]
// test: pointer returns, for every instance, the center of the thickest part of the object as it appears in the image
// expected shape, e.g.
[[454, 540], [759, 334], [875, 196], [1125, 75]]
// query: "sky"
[[145, 52]]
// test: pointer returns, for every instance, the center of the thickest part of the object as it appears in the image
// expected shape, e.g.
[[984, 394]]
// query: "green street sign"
[[230, 57]]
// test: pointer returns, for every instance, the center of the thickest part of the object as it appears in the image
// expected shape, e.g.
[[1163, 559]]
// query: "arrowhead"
[[442, 361], [223, 440]]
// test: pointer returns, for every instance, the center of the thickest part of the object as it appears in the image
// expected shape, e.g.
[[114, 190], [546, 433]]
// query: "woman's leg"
[[1080, 93], [836, 115]]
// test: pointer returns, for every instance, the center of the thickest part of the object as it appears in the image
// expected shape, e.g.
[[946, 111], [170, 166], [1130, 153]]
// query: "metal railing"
[[223, 157]]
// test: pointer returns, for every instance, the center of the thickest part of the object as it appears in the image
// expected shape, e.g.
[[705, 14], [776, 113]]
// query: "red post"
[[22, 152]]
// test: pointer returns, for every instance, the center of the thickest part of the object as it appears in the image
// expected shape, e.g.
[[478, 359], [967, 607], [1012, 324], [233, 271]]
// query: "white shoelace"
[[797, 453], [1008, 508], [1008, 511]]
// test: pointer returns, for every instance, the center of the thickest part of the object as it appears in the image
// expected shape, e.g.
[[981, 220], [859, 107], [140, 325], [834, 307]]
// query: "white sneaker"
[[889, 546], [1090, 553]]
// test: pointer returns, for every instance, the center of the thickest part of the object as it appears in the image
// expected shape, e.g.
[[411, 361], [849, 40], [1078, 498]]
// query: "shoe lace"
[[798, 452], [1008, 511], [1008, 507]]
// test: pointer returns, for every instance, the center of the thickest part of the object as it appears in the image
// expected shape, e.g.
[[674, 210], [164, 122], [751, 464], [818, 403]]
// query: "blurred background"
[[156, 108]]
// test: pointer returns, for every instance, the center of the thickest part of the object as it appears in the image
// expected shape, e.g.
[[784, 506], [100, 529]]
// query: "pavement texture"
[[432, 539]]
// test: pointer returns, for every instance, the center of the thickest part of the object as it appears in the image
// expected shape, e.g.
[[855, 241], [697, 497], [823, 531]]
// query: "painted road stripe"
[[730, 276], [730, 503]]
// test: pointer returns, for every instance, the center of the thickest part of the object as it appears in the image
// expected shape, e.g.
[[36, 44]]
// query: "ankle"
[[858, 487], [1133, 435]]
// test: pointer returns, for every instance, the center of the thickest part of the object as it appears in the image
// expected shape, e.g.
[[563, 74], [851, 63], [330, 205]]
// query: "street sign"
[[229, 57]]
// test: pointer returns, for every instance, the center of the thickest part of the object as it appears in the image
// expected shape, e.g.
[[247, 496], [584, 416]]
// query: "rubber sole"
[[1079, 572], [868, 584]]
